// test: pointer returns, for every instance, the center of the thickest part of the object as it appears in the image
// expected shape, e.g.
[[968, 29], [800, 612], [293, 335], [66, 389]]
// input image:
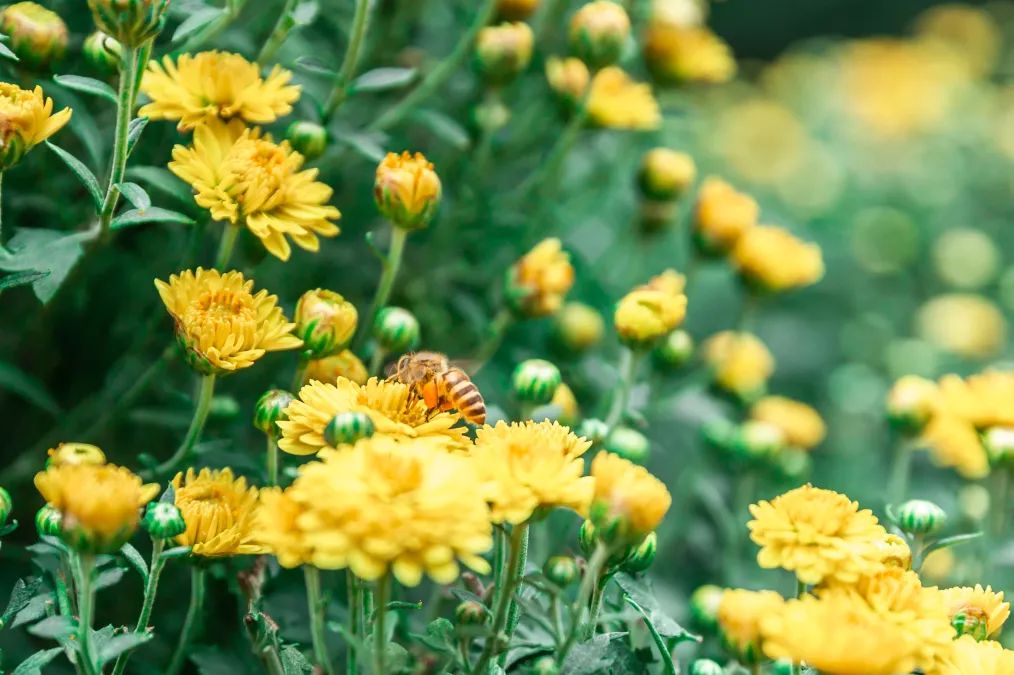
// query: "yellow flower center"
[[17, 108], [260, 170], [220, 311]]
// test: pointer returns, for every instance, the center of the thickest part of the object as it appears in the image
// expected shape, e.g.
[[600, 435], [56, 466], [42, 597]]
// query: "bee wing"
[[391, 369], [469, 366]]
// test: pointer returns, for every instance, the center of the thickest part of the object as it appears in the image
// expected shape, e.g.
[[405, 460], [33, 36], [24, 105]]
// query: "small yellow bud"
[[722, 216], [741, 363], [407, 190], [910, 403], [325, 322], [772, 259], [516, 10], [666, 174], [75, 453], [504, 51], [538, 283], [599, 32], [569, 78], [650, 312], [677, 53], [132, 22], [343, 364], [579, 327], [37, 35]]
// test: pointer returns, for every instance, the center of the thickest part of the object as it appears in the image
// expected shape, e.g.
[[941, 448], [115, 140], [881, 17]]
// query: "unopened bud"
[[37, 35], [407, 190], [396, 329], [755, 440], [348, 427], [471, 613], [48, 521], [971, 621], [325, 322], [535, 381], [579, 327], [704, 606], [75, 453], [629, 444], [642, 556], [132, 22], [561, 570], [545, 665], [666, 174], [504, 51], [999, 444], [307, 138], [102, 52], [163, 520], [706, 667], [910, 403], [599, 32], [675, 350], [595, 430], [918, 516], [270, 408]]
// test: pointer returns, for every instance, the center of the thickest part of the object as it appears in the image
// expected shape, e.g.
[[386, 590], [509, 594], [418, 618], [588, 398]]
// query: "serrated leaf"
[[293, 661], [604, 653], [21, 595], [134, 131], [641, 592], [445, 128], [136, 560], [135, 194], [158, 178], [21, 279], [43, 250], [668, 667], [6, 52], [383, 79], [439, 636], [34, 663], [35, 609], [83, 173], [196, 22], [87, 85], [120, 644], [108, 578], [28, 387], [149, 215], [53, 627]]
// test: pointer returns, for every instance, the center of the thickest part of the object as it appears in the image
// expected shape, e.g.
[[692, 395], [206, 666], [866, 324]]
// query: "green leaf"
[[196, 22], [134, 131], [34, 663], [120, 644], [445, 128], [439, 636], [605, 653], [947, 542], [35, 609], [667, 665], [177, 552], [53, 627], [26, 386], [383, 79], [135, 194], [42, 250], [366, 145], [293, 661], [6, 52], [108, 578], [150, 215], [641, 592], [86, 85], [161, 179], [312, 66], [136, 560], [21, 595], [21, 279], [83, 173]]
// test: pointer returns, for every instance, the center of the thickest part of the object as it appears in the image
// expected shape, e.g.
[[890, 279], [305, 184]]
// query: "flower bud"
[[75, 453], [163, 520], [407, 190], [538, 282], [102, 52], [706, 667], [704, 606], [666, 174], [561, 570], [910, 403], [999, 444], [566, 403], [471, 613], [132, 22], [545, 665], [535, 381], [504, 51], [643, 555], [325, 322], [270, 409], [6, 505], [588, 538], [37, 35], [307, 138], [396, 329], [599, 32], [516, 10], [569, 78], [721, 216], [343, 364], [756, 439], [594, 430], [578, 327], [675, 350], [629, 444], [48, 522], [918, 516], [971, 621], [348, 427], [650, 312], [719, 434]]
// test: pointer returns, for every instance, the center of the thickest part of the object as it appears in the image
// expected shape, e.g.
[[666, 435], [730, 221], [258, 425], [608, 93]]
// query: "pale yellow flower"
[[801, 425], [969, 657], [740, 613], [278, 530], [618, 102], [775, 260], [220, 511], [627, 497], [687, 53], [652, 311], [965, 324], [540, 280], [723, 214], [978, 604], [742, 363]]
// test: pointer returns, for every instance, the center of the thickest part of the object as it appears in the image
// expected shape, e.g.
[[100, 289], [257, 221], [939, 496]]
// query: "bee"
[[441, 385]]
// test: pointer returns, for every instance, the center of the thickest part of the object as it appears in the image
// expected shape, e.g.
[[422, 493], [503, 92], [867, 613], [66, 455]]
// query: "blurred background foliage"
[[884, 131]]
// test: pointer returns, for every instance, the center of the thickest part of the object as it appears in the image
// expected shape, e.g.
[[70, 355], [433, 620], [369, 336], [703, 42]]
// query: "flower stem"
[[191, 624], [279, 33], [797, 666], [505, 596], [588, 583], [201, 410], [390, 272], [380, 626], [340, 90], [226, 246], [439, 75], [124, 113], [272, 461], [4, 235], [513, 611], [355, 600], [150, 589], [300, 374], [900, 470], [316, 604], [143, 56], [86, 610], [628, 372]]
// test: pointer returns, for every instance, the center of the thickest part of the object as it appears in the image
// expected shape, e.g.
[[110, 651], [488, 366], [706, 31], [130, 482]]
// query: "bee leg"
[[430, 395]]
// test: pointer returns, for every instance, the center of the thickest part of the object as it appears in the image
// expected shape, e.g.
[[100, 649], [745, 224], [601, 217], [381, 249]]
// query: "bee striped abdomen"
[[462, 394]]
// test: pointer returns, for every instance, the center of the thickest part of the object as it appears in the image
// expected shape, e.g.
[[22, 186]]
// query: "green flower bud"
[[755, 439], [535, 381], [675, 349], [794, 463], [643, 555], [971, 621], [999, 444], [629, 444], [578, 327], [102, 52], [704, 606], [270, 409], [587, 538], [545, 665], [308, 138], [719, 434], [471, 613], [325, 322], [48, 522], [706, 667], [396, 329], [132, 22], [561, 570], [163, 520], [37, 35], [504, 51], [918, 516], [599, 32], [348, 427], [6, 505], [594, 430]]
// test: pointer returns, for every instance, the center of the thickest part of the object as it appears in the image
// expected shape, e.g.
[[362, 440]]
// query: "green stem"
[[226, 246], [316, 604], [595, 606], [201, 410], [150, 589], [377, 360], [124, 113], [191, 625], [441, 74], [556, 611], [213, 29], [797, 667], [514, 610], [143, 56], [629, 360], [900, 470], [4, 235], [272, 460], [86, 611], [551, 16], [390, 272], [279, 33], [494, 338], [355, 600], [380, 627], [340, 90], [505, 596], [548, 178], [300, 374], [595, 566]]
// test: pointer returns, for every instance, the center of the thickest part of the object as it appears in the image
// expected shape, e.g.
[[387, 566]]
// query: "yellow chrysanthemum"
[[75, 453], [278, 529], [392, 407], [740, 613], [775, 260], [220, 512], [965, 324], [954, 442], [912, 400], [991, 394], [618, 102], [26, 119], [893, 551], [801, 425], [220, 324], [741, 362], [213, 86], [387, 505], [978, 605], [99, 503], [687, 53], [245, 179], [652, 311], [838, 635], [969, 657], [540, 280], [532, 465], [818, 534], [722, 214], [627, 499]]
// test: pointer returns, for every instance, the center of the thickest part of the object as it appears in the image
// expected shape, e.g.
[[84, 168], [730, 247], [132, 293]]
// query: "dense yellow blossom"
[[220, 323], [392, 407], [245, 179], [723, 214], [687, 53], [627, 496], [278, 529], [741, 362], [818, 534], [220, 511], [618, 102], [740, 613], [801, 425], [540, 280], [775, 260], [531, 465], [212, 86], [969, 657], [652, 311], [26, 119], [982, 604]]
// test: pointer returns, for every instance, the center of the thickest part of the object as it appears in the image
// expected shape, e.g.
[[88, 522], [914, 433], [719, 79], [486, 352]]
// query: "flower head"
[[215, 86], [650, 312], [969, 657], [966, 324], [618, 102], [504, 51], [568, 78], [723, 215], [911, 401], [221, 326], [532, 465], [979, 612], [775, 260], [598, 32], [801, 425], [392, 407], [220, 512], [37, 35], [325, 322], [629, 503], [687, 54], [538, 283], [666, 174], [407, 190], [75, 453], [245, 179], [741, 362], [130, 21], [740, 613], [818, 534], [278, 529], [26, 119], [100, 504]]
